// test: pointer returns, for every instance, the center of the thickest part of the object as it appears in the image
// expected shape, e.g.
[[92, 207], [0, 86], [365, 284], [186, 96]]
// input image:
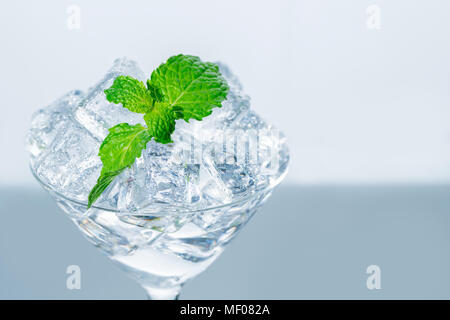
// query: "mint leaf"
[[155, 92], [103, 182], [122, 146], [118, 151], [131, 93], [190, 84], [161, 123]]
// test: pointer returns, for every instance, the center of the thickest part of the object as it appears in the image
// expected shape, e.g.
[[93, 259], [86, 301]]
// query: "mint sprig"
[[194, 86], [182, 88]]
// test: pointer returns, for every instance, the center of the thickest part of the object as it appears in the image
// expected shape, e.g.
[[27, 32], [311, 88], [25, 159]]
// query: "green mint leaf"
[[178, 112], [122, 146], [118, 151], [161, 123], [131, 93], [190, 84], [103, 182], [155, 92]]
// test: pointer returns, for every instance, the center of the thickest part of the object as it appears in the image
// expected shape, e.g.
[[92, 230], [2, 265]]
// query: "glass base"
[[163, 293]]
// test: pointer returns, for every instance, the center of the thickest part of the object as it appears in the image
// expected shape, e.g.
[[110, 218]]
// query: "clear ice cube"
[[71, 165], [96, 114], [159, 176], [46, 123]]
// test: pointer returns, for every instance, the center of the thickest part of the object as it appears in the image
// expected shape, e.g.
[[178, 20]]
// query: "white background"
[[357, 105]]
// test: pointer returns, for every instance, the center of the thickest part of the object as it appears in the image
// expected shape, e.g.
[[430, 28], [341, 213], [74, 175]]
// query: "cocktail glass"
[[162, 250]]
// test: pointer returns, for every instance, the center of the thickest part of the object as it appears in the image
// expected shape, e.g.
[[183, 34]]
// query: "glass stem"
[[162, 293]]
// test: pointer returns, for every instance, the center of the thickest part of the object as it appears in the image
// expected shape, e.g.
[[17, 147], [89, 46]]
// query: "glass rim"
[[183, 210]]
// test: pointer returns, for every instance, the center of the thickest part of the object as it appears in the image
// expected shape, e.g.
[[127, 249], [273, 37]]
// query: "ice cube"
[[166, 181], [236, 177], [213, 189], [71, 165], [133, 195], [47, 122], [96, 114], [192, 176], [159, 176], [250, 120], [231, 78], [232, 107]]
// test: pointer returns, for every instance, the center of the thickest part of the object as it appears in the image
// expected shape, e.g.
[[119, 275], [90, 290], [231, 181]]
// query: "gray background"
[[365, 112], [305, 243]]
